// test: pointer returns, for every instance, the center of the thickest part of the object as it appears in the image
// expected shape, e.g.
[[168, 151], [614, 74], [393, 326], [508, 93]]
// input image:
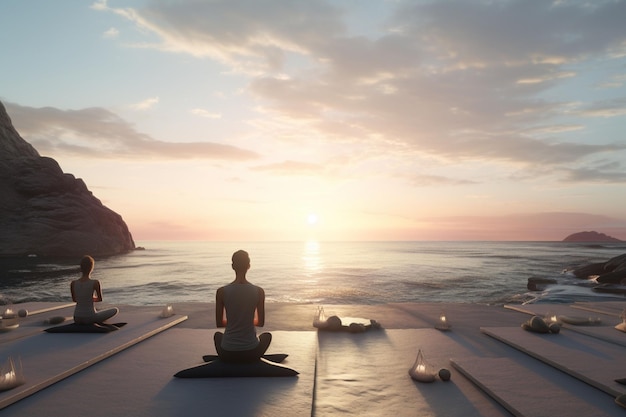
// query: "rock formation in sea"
[[48, 213], [590, 237], [539, 284], [612, 271]]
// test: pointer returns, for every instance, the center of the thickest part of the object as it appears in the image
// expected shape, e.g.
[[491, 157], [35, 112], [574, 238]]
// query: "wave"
[[336, 273]]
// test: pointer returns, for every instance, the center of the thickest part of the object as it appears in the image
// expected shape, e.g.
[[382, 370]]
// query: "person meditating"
[[239, 307], [86, 291]]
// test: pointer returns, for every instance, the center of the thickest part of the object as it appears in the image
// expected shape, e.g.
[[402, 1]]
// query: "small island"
[[590, 237]]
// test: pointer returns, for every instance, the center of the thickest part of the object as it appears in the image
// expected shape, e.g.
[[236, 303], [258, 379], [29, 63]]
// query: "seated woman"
[[86, 291], [244, 305]]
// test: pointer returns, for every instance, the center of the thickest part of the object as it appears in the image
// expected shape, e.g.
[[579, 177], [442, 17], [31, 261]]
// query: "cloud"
[[608, 173], [605, 109], [249, 36], [547, 77], [615, 81], [99, 133], [146, 104], [455, 80], [514, 32], [205, 113], [292, 168], [437, 180], [552, 129], [99, 5], [111, 33]]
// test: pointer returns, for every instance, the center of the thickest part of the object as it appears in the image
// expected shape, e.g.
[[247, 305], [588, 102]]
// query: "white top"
[[83, 291]]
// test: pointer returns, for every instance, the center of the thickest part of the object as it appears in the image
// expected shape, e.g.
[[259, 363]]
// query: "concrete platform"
[[593, 361], [543, 310], [34, 322], [35, 308], [131, 371], [527, 393], [48, 358], [614, 308], [139, 382], [367, 375]]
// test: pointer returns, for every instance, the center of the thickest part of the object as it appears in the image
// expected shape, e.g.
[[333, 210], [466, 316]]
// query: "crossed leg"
[[244, 355]]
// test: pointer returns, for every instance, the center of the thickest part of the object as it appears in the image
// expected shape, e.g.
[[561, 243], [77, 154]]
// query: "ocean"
[[324, 273]]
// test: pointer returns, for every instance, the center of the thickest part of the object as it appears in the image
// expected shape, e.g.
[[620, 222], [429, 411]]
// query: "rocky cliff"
[[46, 212]]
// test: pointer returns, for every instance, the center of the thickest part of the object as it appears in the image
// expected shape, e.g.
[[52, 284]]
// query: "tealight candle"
[[11, 375], [319, 319], [443, 322], [419, 371], [551, 318], [168, 311]]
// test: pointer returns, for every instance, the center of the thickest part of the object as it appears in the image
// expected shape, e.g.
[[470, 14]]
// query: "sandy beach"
[[496, 367]]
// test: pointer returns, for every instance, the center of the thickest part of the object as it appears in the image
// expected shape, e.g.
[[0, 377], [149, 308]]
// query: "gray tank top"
[[83, 291], [240, 301]]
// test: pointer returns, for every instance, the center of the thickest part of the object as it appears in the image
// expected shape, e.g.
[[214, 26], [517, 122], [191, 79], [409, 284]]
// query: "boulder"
[[612, 271], [615, 277], [46, 212], [589, 270], [539, 284], [616, 264]]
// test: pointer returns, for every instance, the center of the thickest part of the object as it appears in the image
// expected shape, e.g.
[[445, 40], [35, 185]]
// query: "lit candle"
[[168, 311], [443, 322], [551, 317], [9, 376], [418, 371]]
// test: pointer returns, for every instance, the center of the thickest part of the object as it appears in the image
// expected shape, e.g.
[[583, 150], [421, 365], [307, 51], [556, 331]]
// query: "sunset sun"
[[312, 219]]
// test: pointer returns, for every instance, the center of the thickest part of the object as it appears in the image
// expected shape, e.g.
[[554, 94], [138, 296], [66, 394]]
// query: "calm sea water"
[[324, 272]]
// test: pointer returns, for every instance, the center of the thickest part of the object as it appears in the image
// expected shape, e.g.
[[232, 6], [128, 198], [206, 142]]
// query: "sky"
[[240, 120]]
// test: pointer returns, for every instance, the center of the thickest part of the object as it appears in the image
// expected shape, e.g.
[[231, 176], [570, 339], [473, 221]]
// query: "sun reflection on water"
[[311, 257]]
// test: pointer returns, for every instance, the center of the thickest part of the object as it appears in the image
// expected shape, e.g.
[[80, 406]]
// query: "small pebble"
[[444, 374], [554, 328]]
